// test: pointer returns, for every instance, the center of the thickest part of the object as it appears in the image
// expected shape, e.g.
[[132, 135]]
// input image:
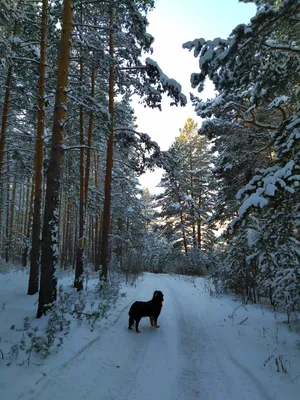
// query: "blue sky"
[[172, 23]]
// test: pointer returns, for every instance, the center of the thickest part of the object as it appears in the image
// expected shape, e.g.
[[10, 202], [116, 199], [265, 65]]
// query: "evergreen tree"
[[256, 74], [187, 198]]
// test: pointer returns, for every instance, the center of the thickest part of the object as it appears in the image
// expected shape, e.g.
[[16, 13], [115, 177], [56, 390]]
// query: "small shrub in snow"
[[67, 307], [4, 267], [1, 352], [279, 361], [43, 343]]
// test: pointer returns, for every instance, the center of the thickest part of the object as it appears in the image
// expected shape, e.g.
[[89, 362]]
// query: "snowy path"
[[187, 358]]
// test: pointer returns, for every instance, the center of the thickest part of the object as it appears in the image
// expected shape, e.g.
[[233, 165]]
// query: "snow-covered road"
[[196, 354]]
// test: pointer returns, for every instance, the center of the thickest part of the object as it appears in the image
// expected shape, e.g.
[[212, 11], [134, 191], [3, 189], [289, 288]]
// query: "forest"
[[71, 153]]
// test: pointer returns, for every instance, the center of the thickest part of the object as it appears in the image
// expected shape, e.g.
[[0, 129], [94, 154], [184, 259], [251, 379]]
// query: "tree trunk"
[[7, 214], [109, 161], [19, 219], [64, 233], [7, 96], [78, 282], [98, 259], [49, 254], [90, 241], [183, 232], [120, 244], [199, 230], [192, 196], [33, 284], [97, 222], [75, 237], [88, 162], [182, 223], [68, 239], [89, 143], [11, 217], [29, 207]]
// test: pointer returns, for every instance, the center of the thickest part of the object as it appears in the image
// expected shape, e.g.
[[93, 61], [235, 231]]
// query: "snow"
[[273, 176], [252, 237], [16, 40], [166, 80], [217, 100], [36, 51], [248, 30], [207, 56], [254, 200], [195, 44], [207, 347], [294, 123], [278, 101], [270, 189]]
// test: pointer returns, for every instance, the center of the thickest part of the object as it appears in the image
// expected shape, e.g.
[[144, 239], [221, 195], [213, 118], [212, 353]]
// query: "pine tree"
[[187, 199], [49, 256], [39, 157], [254, 121]]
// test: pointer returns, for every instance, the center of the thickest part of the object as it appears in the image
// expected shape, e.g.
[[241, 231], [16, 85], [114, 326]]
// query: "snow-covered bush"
[[69, 309], [195, 263], [156, 252]]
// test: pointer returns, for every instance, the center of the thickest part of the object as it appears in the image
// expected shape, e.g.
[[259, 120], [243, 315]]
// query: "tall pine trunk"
[[183, 232], [7, 96], [88, 166], [199, 230], [97, 223], [11, 217], [29, 207], [7, 213], [33, 284], [49, 253], [67, 259], [192, 196], [109, 161], [78, 283], [90, 137], [182, 223], [5, 109]]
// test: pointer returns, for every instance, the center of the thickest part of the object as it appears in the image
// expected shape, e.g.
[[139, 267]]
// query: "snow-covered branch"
[[79, 147], [283, 47]]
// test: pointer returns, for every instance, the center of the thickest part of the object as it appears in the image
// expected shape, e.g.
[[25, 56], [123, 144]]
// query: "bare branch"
[[67, 148], [261, 125], [131, 68]]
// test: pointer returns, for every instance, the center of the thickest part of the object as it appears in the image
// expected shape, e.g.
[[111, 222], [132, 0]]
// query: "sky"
[[172, 23]]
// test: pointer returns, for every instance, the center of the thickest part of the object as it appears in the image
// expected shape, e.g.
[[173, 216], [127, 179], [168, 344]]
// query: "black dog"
[[151, 309]]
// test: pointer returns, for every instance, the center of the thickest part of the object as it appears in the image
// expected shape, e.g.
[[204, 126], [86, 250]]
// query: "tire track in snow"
[[241, 371], [264, 394], [155, 376], [201, 374], [227, 369]]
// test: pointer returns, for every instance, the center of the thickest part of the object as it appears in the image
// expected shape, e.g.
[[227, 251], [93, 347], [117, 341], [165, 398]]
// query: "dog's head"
[[158, 296]]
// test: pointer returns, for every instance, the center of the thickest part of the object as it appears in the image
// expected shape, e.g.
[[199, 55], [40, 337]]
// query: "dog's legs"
[[131, 321], [152, 321], [137, 324], [155, 322]]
